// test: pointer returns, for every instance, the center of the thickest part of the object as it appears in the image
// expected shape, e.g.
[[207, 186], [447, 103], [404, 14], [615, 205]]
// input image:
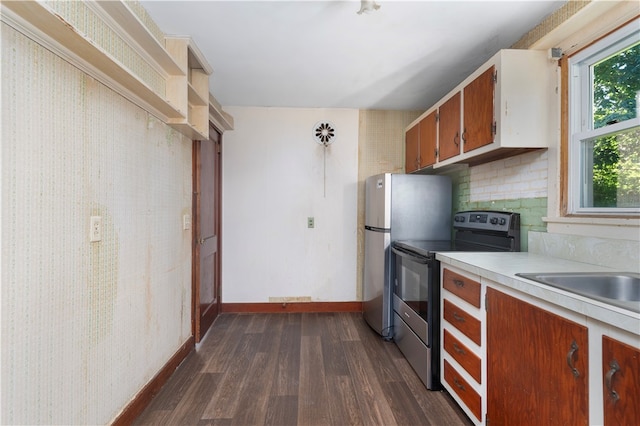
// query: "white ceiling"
[[404, 56]]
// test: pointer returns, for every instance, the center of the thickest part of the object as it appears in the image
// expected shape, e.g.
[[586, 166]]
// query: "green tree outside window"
[[616, 158]]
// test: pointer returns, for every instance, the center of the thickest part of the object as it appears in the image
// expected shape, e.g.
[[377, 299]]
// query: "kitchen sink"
[[617, 288]]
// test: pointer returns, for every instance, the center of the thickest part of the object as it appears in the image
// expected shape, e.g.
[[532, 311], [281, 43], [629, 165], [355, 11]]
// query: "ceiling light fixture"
[[367, 6]]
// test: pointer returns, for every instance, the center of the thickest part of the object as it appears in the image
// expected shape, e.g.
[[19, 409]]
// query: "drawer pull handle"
[[572, 351], [458, 384], [459, 283], [458, 317], [615, 367], [459, 349]]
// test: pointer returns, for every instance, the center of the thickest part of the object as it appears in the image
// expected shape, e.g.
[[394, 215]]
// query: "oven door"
[[415, 292]]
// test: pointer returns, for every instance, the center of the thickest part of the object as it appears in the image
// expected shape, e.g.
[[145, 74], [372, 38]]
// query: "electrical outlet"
[[310, 222], [95, 229], [186, 222]]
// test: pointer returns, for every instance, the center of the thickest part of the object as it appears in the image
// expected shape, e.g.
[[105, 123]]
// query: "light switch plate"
[[186, 222]]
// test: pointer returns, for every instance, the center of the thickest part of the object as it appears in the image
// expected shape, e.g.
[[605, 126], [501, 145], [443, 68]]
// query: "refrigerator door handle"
[[414, 257], [376, 229]]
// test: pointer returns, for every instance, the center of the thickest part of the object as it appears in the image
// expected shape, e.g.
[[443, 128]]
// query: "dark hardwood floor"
[[297, 369]]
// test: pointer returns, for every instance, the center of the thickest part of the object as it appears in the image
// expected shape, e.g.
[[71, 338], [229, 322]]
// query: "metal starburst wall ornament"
[[324, 133]]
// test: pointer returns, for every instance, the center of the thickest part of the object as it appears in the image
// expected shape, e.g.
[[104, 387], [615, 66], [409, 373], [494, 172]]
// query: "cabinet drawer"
[[463, 321], [463, 287], [460, 386], [465, 357]]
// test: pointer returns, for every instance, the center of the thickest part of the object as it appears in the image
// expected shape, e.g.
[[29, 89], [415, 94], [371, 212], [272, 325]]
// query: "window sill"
[[603, 227]]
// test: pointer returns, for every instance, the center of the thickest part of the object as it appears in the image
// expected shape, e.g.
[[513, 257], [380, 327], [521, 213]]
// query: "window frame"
[[579, 117]]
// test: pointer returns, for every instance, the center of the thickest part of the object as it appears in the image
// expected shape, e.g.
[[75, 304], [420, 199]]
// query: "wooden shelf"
[[47, 26], [130, 23], [184, 106], [194, 97], [189, 92], [189, 131]]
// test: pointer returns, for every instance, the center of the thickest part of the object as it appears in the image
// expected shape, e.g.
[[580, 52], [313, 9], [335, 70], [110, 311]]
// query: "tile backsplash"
[[515, 184]]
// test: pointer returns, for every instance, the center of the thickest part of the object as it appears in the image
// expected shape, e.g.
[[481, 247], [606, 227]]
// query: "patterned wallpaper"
[[86, 325], [550, 23]]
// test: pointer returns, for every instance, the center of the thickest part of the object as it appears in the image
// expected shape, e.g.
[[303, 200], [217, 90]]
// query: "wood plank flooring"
[[297, 369]]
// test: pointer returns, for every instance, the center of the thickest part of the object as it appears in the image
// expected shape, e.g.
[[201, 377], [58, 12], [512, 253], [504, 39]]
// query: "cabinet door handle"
[[458, 317], [464, 135], [456, 139], [458, 384], [608, 378], [459, 349], [459, 283], [572, 351]]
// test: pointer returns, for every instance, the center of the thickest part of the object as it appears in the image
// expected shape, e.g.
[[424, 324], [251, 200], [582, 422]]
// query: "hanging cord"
[[323, 133], [324, 171]]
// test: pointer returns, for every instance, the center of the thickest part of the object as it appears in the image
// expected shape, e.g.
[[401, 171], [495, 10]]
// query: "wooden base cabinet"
[[621, 382], [537, 365], [512, 358], [462, 340]]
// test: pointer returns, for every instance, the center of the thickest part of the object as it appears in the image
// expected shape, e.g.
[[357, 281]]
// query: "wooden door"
[[531, 356], [428, 128], [449, 125], [206, 231], [478, 116], [412, 145], [621, 383]]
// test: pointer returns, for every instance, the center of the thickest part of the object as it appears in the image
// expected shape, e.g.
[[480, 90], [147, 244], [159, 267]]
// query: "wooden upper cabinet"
[[449, 125], [537, 365], [504, 108], [621, 383], [428, 135], [478, 111], [412, 149], [421, 143]]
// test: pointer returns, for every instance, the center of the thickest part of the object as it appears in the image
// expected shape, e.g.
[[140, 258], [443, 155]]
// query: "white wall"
[[86, 325], [273, 179]]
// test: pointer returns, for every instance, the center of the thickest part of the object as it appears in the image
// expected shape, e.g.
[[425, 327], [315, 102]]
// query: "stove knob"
[[503, 221], [494, 220]]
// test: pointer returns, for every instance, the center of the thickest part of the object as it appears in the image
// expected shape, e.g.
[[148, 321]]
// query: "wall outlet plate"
[[95, 229], [310, 222]]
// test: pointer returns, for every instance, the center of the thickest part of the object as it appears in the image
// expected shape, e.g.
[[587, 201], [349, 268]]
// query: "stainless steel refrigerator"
[[398, 207]]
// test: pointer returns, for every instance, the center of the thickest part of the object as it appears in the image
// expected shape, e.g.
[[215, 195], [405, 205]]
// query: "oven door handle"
[[414, 257]]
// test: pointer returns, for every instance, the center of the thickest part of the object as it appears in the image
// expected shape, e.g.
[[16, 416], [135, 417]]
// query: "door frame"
[[200, 324]]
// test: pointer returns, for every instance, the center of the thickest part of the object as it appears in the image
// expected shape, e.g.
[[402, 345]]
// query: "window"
[[604, 140]]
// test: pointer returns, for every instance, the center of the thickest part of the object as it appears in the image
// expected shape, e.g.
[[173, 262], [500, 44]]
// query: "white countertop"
[[501, 268]]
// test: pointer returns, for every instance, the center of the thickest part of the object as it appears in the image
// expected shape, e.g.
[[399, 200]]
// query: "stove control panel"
[[487, 220]]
